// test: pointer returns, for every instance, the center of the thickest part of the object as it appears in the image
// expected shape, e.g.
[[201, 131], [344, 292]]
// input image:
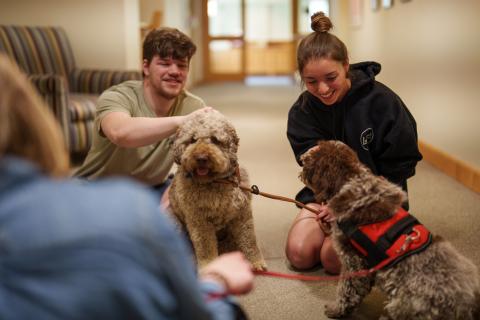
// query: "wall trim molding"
[[465, 173]]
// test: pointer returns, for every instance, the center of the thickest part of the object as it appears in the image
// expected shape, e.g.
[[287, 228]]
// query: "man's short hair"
[[168, 42]]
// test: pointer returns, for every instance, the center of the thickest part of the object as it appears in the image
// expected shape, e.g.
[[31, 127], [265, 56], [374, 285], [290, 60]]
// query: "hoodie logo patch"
[[366, 138]]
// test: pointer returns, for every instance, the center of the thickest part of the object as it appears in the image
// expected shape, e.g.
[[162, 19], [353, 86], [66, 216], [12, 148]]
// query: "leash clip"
[[409, 239], [255, 189]]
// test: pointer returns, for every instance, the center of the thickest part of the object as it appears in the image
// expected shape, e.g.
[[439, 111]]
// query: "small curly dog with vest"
[[216, 215], [436, 283]]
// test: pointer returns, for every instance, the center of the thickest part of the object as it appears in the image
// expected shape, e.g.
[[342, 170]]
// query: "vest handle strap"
[[403, 226]]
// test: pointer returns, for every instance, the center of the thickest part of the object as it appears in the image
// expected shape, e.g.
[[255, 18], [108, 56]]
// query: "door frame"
[[207, 38], [240, 76]]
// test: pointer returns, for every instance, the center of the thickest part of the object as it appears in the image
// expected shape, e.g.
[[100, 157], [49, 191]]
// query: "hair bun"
[[320, 22]]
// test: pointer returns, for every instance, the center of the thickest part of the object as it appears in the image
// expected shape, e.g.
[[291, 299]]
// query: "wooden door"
[[224, 49]]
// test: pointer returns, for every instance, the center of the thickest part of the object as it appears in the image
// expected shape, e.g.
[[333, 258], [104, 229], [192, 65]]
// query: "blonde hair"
[[27, 126]]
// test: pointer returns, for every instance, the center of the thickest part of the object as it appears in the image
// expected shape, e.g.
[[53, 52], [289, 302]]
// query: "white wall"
[[103, 34], [430, 56], [179, 14], [132, 44], [147, 7]]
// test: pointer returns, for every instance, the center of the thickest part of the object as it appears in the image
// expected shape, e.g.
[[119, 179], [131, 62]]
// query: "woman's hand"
[[325, 215], [231, 270]]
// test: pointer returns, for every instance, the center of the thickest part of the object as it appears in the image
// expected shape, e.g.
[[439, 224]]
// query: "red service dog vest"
[[387, 242]]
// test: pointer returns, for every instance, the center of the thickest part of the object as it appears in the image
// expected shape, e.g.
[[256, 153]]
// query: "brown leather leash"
[[325, 228], [255, 190]]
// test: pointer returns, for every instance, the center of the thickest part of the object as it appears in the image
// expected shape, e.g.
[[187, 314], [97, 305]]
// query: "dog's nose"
[[201, 159]]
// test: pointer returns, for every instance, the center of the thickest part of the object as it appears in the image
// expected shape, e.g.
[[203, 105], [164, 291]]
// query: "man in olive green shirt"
[[135, 119]]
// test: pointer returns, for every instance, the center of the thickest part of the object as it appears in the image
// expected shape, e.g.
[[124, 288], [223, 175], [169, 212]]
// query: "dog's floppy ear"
[[233, 136], [176, 145], [315, 174], [308, 171]]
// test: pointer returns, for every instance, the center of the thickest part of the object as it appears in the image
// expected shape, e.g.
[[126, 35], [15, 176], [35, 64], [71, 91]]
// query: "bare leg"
[[307, 244], [330, 261], [305, 240], [165, 200]]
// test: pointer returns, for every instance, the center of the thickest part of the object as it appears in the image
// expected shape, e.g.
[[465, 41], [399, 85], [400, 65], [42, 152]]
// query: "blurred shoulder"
[[187, 102], [192, 99]]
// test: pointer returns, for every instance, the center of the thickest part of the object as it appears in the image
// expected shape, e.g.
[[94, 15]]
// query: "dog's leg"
[[243, 235], [204, 240], [351, 291], [401, 309]]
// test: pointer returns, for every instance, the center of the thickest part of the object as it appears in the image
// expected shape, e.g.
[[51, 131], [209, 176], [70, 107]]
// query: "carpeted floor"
[[259, 114]]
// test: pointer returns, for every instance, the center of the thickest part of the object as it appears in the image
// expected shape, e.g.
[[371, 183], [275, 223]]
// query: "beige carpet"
[[260, 115]]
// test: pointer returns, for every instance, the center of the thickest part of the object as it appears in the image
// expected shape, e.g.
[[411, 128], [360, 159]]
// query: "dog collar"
[[387, 242]]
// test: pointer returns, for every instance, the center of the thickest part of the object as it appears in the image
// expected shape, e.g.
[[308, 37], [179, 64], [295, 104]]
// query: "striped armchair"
[[45, 54]]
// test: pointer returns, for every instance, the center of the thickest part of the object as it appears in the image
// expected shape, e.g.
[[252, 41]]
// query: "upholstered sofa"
[[45, 54]]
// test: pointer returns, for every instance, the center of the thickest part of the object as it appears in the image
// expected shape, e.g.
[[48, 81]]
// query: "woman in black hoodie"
[[343, 102]]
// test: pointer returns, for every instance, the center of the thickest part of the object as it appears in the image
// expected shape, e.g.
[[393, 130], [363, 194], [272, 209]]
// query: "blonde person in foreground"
[[135, 119], [99, 250]]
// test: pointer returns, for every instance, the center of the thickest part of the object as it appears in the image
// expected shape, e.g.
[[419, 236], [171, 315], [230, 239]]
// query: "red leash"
[[255, 190], [360, 273]]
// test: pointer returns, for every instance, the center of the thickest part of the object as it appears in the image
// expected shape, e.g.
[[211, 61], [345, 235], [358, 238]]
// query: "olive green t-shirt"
[[149, 164]]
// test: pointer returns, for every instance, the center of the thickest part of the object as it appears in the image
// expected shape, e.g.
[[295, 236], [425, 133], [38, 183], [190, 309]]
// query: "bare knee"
[[304, 240], [302, 255], [329, 258]]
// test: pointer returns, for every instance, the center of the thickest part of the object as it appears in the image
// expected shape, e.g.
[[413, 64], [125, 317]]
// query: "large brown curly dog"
[[205, 149], [436, 283]]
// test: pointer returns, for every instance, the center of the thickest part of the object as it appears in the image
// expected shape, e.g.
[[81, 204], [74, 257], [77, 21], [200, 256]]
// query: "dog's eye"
[[193, 140], [215, 140]]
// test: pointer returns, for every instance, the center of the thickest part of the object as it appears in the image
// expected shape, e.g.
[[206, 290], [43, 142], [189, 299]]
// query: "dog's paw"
[[333, 310], [260, 265]]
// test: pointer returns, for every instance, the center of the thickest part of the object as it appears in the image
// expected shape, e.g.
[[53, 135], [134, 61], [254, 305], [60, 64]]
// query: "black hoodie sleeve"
[[305, 126], [396, 153]]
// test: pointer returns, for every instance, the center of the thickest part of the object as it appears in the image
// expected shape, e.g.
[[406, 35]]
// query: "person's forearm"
[[142, 131]]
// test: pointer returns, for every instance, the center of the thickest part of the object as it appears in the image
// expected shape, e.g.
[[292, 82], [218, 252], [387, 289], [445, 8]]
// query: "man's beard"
[[164, 91]]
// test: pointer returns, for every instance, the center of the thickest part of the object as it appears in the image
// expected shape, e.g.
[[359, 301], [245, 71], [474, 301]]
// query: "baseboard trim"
[[466, 174]]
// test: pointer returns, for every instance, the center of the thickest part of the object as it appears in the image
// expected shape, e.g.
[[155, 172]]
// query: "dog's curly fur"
[[437, 283], [205, 150]]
